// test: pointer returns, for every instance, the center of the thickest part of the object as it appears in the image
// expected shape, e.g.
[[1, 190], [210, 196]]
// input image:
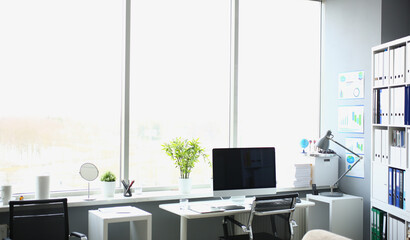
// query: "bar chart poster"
[[350, 119], [358, 170], [355, 144]]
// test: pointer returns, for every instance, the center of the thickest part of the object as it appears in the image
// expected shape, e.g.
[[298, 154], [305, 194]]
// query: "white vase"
[[42, 187], [185, 185], [108, 189]]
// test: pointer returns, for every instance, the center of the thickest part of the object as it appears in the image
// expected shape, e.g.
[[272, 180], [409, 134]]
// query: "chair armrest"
[[78, 235]]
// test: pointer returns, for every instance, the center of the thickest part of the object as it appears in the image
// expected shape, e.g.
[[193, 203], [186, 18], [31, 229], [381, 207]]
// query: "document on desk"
[[204, 208]]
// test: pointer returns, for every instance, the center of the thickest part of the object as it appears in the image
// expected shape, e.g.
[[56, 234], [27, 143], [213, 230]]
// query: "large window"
[[62, 75], [179, 83], [60, 90], [278, 80]]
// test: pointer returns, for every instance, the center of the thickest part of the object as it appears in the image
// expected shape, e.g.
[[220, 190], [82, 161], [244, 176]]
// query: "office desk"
[[140, 222], [188, 214], [340, 215]]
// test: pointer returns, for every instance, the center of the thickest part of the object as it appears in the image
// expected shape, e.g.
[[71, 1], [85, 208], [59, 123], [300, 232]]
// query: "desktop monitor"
[[243, 171]]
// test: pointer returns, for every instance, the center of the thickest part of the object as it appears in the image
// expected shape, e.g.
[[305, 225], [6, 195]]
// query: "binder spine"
[[397, 189], [390, 186], [401, 189]]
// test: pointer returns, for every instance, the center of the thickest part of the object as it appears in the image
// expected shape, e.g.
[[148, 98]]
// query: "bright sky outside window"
[[61, 65], [279, 76], [60, 94], [179, 83]]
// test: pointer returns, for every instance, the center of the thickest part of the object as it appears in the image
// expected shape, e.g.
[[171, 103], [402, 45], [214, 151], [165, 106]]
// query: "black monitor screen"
[[243, 168]]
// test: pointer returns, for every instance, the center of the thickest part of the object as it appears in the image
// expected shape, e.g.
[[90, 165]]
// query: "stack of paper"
[[303, 175]]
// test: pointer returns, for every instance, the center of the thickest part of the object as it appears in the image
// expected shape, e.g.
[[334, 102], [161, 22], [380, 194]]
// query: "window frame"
[[124, 160]]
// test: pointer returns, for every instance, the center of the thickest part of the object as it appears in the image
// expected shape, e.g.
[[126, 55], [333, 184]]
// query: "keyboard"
[[231, 207], [203, 208]]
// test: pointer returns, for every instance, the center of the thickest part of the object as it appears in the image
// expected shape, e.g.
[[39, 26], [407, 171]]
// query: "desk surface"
[[121, 213], [175, 208], [325, 199]]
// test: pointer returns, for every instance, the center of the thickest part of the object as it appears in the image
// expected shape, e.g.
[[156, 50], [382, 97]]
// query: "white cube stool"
[[140, 222]]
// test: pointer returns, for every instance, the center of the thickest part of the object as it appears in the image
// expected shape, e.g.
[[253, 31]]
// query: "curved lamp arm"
[[324, 142]]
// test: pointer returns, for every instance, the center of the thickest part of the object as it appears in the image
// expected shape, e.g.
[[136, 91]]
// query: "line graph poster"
[[351, 85], [350, 119]]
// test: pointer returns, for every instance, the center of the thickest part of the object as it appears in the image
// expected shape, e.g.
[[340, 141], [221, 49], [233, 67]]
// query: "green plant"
[[185, 154], [108, 177]]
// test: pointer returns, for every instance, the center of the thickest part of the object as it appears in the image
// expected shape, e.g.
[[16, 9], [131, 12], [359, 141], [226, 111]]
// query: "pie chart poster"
[[351, 85]]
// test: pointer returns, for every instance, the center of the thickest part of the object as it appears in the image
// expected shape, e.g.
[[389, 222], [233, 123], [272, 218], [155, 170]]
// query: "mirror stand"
[[88, 198]]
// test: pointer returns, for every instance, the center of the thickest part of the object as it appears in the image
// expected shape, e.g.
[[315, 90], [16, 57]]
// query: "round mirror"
[[89, 171]]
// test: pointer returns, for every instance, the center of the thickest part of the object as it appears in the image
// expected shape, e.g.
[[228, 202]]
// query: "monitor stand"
[[237, 200]]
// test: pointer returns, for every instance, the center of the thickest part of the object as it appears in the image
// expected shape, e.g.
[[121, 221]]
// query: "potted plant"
[[185, 155], [108, 184]]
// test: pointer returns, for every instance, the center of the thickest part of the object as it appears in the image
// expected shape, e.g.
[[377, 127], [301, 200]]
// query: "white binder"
[[392, 106], [391, 66], [378, 145], [386, 67], [394, 150], [402, 63], [384, 106], [376, 70], [408, 64], [396, 65], [399, 102], [385, 146], [381, 67], [399, 65], [403, 149]]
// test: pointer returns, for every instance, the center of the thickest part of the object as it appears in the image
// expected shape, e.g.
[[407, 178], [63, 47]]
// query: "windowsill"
[[153, 196]]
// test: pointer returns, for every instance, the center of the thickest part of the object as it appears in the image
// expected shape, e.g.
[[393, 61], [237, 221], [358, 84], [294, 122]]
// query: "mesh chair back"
[[39, 219], [280, 208], [277, 204]]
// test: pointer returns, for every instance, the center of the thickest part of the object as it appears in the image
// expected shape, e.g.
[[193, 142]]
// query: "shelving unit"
[[390, 137]]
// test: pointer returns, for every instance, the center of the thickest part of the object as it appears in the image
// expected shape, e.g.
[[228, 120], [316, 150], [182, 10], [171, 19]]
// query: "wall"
[[350, 29], [395, 19]]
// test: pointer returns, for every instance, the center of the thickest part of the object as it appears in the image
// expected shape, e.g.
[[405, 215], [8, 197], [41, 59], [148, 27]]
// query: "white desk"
[[140, 222], [188, 214], [341, 215]]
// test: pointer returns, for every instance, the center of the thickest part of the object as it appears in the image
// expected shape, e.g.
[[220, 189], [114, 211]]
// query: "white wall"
[[350, 29]]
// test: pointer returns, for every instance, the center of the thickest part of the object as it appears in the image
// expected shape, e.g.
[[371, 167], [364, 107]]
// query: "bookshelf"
[[390, 166]]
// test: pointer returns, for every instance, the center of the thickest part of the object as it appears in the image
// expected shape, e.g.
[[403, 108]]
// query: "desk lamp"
[[323, 144]]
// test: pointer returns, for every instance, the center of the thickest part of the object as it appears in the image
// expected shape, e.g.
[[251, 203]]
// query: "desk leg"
[[183, 228], [141, 229], [97, 228]]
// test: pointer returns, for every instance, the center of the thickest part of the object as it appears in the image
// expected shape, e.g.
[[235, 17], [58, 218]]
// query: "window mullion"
[[126, 91], [233, 105]]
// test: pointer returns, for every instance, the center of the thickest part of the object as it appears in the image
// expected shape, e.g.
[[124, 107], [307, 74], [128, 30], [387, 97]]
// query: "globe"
[[304, 143]]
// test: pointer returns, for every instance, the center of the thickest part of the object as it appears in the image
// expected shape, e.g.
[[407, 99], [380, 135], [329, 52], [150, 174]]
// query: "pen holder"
[[127, 188], [127, 193]]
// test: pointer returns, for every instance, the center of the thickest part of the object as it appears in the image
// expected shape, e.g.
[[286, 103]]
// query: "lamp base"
[[331, 194]]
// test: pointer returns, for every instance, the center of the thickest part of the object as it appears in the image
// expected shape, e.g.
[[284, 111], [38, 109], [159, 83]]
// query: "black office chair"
[[279, 207], [40, 219]]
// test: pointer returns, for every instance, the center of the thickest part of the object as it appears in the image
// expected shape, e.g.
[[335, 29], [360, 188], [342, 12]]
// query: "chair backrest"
[[39, 219], [283, 204]]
